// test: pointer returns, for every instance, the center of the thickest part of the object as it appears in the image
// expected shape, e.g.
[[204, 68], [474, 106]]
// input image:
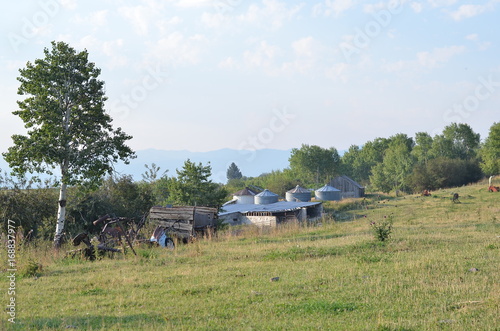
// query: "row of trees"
[[455, 157]]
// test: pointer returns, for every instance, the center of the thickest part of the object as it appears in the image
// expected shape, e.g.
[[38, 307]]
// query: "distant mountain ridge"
[[250, 163]]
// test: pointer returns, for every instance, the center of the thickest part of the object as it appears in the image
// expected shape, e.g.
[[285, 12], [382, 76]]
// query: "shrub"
[[383, 229]]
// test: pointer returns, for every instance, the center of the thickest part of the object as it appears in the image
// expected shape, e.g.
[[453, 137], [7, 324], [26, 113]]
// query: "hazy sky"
[[209, 74]]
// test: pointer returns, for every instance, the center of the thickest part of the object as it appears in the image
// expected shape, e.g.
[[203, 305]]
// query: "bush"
[[444, 172], [383, 229]]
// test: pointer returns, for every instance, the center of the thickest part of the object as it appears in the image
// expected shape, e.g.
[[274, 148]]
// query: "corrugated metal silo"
[[245, 196], [298, 194], [266, 197], [327, 193]]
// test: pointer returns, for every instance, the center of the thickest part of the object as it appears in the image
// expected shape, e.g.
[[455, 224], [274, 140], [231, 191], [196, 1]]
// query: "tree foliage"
[[423, 146], [397, 164], [458, 141], [490, 152], [444, 172], [193, 186], [315, 164], [233, 172], [68, 129]]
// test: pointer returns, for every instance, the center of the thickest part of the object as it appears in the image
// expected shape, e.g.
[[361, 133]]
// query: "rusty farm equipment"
[[112, 235], [494, 188]]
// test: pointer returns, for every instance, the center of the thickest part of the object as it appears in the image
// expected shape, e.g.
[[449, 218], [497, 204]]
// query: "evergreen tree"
[[233, 172]]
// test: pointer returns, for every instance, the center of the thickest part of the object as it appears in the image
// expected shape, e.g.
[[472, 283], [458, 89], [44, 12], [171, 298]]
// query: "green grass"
[[332, 276]]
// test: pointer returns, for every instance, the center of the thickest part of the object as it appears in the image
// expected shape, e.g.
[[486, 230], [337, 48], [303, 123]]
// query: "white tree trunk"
[[61, 216]]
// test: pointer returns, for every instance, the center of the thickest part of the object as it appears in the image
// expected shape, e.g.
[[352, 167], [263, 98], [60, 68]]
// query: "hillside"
[[438, 271]]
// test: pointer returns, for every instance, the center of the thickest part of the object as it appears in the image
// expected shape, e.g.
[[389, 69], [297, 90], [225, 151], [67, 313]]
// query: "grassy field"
[[440, 270]]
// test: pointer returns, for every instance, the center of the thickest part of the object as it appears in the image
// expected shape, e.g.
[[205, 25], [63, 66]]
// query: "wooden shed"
[[348, 187], [185, 221]]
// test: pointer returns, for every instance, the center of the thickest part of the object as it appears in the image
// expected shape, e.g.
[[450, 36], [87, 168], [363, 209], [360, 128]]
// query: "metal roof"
[[350, 180], [266, 193], [245, 191], [276, 207], [327, 188], [299, 189]]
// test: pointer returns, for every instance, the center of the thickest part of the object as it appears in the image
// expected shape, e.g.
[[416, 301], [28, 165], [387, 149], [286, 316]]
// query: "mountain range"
[[250, 163]]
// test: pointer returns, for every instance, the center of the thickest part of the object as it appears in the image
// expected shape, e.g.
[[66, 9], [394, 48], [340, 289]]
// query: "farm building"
[[185, 221], [327, 193], [348, 187], [270, 214]]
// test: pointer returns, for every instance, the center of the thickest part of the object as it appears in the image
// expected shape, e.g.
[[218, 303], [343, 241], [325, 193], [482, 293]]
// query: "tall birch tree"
[[69, 134]]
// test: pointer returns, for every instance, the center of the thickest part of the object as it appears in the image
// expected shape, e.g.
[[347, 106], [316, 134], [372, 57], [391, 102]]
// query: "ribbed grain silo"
[[298, 194], [266, 197], [327, 193], [245, 196]]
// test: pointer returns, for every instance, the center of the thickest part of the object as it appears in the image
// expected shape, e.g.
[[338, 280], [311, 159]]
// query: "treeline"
[[33, 206], [453, 158]]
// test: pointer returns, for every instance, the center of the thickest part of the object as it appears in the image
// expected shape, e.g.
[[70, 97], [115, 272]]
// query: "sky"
[[202, 75]]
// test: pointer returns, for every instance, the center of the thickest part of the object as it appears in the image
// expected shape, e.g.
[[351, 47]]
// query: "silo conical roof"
[[245, 191], [266, 197], [298, 194], [266, 193], [327, 188], [299, 189]]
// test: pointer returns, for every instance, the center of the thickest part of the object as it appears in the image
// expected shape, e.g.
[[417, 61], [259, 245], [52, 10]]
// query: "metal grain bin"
[[266, 197], [245, 196], [327, 193], [298, 194]]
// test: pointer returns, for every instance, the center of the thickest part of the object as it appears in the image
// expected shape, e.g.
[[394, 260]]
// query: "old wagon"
[[184, 222]]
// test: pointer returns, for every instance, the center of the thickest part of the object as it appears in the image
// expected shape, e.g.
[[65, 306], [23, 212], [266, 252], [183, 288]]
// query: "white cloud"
[[140, 17], [438, 56], [307, 52], [441, 3], [263, 57], [177, 49], [333, 7], [68, 4], [94, 20], [88, 42], [482, 45], [425, 60], [467, 11], [397, 66], [272, 11], [213, 20], [194, 3], [417, 7], [374, 7], [472, 36], [338, 72], [175, 20], [228, 63], [113, 50]]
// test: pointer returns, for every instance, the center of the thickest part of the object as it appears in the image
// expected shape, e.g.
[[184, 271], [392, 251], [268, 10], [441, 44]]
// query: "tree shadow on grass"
[[93, 322]]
